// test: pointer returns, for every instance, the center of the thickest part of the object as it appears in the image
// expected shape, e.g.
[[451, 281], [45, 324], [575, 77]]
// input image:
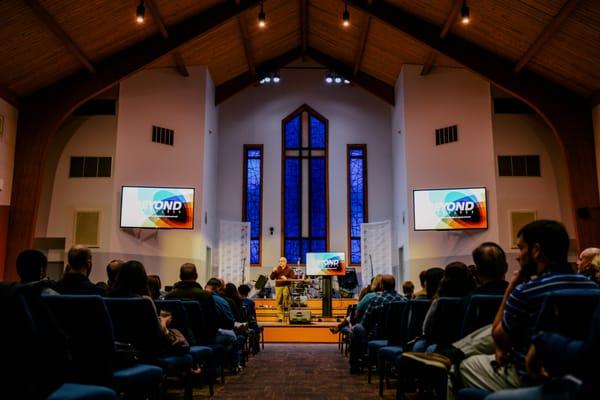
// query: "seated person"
[[75, 279], [31, 268]]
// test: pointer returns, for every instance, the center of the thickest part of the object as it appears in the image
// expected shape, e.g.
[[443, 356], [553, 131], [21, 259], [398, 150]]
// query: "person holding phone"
[[281, 274], [543, 249]]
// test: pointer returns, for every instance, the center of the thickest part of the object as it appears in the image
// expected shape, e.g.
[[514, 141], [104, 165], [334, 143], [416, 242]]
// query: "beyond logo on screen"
[[325, 264], [145, 207], [447, 209]]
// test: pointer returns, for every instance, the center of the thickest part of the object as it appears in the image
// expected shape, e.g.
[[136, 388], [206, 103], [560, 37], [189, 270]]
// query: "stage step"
[[316, 332]]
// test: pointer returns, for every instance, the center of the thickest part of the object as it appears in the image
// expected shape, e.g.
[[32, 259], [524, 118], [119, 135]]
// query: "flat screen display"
[[157, 207], [450, 209], [326, 264]]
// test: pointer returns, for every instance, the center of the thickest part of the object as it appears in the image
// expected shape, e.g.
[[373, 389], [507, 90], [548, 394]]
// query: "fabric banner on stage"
[[234, 251], [376, 250]]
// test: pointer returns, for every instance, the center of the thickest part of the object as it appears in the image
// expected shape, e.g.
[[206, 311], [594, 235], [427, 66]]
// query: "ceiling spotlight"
[[337, 79], [276, 77], [465, 13], [346, 81], [262, 19], [346, 15], [328, 79], [140, 11], [267, 79]]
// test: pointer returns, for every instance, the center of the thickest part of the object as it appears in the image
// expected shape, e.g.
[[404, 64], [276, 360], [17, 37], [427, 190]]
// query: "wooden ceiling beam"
[[361, 46], [153, 8], [246, 44], [227, 89], [43, 15], [180, 64], [450, 20], [566, 10], [304, 27], [9, 96], [371, 84]]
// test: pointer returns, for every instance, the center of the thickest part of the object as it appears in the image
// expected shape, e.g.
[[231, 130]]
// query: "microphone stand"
[[371, 261], [243, 270]]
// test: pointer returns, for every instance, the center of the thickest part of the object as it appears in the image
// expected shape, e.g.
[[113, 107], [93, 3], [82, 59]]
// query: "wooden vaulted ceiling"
[[45, 41]]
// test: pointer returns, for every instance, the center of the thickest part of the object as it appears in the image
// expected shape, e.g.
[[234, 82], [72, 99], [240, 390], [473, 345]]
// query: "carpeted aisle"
[[302, 371]]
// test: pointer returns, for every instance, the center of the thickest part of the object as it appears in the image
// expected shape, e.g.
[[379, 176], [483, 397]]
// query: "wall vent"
[[519, 219], [87, 225], [162, 135], [90, 167], [528, 165], [445, 135]]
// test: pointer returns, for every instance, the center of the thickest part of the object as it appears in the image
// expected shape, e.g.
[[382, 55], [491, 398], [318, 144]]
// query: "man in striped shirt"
[[543, 248]]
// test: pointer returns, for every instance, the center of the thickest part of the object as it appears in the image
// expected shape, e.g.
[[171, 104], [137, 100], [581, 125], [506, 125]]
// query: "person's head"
[[422, 276], [584, 260], [103, 286], [542, 243], [457, 280], [154, 286], [376, 283], [595, 266], [232, 292], [490, 262], [388, 283], [80, 260], [112, 269], [282, 262], [213, 285], [433, 277], [31, 265], [131, 280], [408, 288], [244, 290], [187, 272]]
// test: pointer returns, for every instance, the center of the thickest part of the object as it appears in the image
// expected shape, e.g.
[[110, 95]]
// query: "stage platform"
[[317, 331]]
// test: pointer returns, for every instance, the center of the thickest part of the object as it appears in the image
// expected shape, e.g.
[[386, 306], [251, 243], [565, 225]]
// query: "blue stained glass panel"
[[254, 153], [305, 249], [293, 198], [254, 251], [292, 250], [357, 195], [318, 198], [356, 152], [253, 190], [317, 133], [355, 251], [293, 133], [318, 246]]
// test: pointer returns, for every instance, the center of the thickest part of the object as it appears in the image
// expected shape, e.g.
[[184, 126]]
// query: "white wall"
[[254, 117], [164, 98], [443, 98], [548, 195], [7, 150]]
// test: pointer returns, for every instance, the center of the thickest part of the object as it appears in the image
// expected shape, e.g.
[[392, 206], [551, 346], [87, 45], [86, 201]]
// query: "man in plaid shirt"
[[369, 327]]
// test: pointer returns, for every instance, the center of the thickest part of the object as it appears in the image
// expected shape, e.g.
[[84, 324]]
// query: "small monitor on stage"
[[450, 209], [325, 264]]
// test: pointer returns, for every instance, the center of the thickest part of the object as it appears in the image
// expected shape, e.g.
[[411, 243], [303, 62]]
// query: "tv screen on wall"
[[326, 264], [157, 207], [450, 209]]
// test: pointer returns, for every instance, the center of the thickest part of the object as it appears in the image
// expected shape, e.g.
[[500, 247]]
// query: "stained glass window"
[[305, 213], [357, 198], [252, 209]]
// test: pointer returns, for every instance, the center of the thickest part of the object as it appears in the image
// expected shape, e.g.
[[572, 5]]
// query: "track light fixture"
[[262, 19], [271, 78], [346, 15], [140, 12], [332, 77], [465, 13]]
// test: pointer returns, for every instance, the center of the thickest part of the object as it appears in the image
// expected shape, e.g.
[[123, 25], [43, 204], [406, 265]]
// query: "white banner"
[[376, 250], [234, 252]]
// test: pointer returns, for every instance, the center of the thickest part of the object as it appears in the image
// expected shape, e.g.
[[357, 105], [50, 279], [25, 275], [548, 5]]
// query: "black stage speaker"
[[348, 281], [261, 282]]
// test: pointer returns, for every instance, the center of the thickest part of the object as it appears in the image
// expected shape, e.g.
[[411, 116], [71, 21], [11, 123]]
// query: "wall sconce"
[[271, 230]]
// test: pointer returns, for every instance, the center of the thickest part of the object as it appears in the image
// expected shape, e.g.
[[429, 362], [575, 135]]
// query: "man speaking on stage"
[[281, 274]]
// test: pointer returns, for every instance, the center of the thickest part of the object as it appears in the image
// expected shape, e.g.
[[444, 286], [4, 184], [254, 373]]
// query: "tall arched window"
[[304, 184]]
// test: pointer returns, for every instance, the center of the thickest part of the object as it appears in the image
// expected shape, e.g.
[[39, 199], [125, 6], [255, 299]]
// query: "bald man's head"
[[80, 260], [388, 282], [187, 272], [585, 258]]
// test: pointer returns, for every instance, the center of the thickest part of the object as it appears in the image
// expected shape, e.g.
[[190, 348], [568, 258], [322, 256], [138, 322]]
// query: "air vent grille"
[[163, 135], [445, 135]]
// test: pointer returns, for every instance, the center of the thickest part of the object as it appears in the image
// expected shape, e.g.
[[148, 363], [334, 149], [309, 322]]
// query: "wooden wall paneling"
[[4, 212], [567, 114], [450, 21], [42, 113]]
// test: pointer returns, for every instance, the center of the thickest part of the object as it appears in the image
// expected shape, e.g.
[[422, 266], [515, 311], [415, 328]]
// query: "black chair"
[[135, 322], [23, 359], [446, 322], [568, 312], [481, 311], [202, 355], [201, 336], [88, 327]]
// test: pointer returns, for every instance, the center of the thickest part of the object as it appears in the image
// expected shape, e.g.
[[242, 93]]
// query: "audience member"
[[543, 248], [75, 279], [230, 292], [364, 298], [31, 268], [250, 306], [423, 291], [370, 325], [408, 289], [584, 261], [112, 269], [490, 267], [596, 267], [433, 276], [131, 281], [154, 286]]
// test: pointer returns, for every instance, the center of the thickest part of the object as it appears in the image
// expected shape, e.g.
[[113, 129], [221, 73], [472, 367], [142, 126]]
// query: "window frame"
[[248, 147], [349, 147]]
